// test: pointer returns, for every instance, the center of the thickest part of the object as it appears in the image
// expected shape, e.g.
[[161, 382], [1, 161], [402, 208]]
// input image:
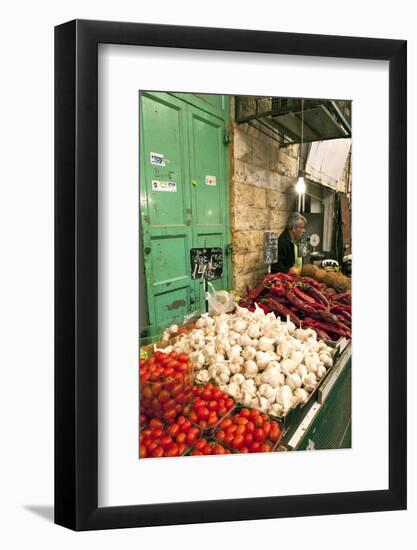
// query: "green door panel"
[[178, 209], [209, 197], [166, 229]]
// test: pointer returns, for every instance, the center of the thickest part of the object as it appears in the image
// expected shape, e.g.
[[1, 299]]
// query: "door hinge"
[[228, 249], [227, 138]]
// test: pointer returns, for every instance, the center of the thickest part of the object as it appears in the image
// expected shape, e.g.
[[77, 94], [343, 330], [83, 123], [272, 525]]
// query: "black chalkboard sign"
[[206, 263], [270, 248]]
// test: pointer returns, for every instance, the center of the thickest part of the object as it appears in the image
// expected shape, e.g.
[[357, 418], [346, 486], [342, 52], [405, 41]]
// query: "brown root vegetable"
[[309, 270]]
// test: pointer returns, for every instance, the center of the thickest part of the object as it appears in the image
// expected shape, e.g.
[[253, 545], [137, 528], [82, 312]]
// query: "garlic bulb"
[[237, 379], [288, 366], [310, 382], [293, 381], [235, 367], [267, 391], [263, 358], [321, 371], [249, 353], [302, 371], [240, 325], [276, 410], [265, 344], [250, 369], [248, 386], [326, 359], [202, 376], [233, 390], [244, 340], [284, 398], [301, 394], [247, 399], [254, 331]]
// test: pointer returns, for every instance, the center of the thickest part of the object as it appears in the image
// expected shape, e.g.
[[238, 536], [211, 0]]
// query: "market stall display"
[[256, 358], [306, 302]]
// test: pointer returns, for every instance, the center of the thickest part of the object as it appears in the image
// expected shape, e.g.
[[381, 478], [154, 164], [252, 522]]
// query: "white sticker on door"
[[170, 186], [157, 159], [211, 180]]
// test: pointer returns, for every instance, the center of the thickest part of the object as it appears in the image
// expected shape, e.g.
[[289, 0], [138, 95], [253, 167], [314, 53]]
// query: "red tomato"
[[172, 451], [220, 435], [182, 357], [158, 452], [229, 403], [191, 437], [255, 447], [157, 433], [219, 450], [182, 447], [181, 438], [225, 423], [265, 448], [249, 439], [228, 439], [207, 450], [241, 420], [193, 417], [173, 430], [163, 396], [170, 404], [186, 425], [244, 450], [203, 424], [213, 405], [170, 415], [250, 427], [152, 446], [168, 371], [196, 453], [180, 420], [203, 413], [244, 412], [143, 452], [200, 444], [259, 435], [176, 390], [206, 395], [231, 429], [238, 442], [267, 428], [166, 441], [240, 430], [147, 392], [216, 393]]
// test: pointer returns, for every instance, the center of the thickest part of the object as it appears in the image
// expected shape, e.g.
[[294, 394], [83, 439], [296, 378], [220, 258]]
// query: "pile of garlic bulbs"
[[256, 358]]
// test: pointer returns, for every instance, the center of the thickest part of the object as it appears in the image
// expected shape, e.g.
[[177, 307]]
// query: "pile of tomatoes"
[[156, 440], [209, 406], [166, 385], [206, 447], [249, 431]]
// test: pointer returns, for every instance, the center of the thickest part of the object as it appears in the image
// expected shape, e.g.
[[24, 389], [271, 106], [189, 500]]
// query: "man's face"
[[299, 230]]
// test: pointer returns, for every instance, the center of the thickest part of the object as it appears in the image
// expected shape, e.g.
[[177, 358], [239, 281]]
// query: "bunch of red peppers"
[[302, 300]]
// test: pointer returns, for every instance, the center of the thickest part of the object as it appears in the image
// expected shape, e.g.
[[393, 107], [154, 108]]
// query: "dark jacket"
[[286, 256]]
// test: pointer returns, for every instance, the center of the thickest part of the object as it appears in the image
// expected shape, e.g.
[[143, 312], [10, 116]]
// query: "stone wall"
[[263, 175]]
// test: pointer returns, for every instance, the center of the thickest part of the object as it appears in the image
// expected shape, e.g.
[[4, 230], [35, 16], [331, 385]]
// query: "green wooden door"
[[184, 200]]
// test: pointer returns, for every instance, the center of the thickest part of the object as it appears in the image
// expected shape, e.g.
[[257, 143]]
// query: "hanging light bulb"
[[300, 186]]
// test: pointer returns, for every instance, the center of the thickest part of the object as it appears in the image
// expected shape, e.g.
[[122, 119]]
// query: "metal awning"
[[280, 118]]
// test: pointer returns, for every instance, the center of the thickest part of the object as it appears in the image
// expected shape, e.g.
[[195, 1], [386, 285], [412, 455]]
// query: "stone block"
[[249, 174], [259, 197], [260, 153], [288, 183], [242, 145], [253, 261], [288, 166], [278, 221], [248, 217]]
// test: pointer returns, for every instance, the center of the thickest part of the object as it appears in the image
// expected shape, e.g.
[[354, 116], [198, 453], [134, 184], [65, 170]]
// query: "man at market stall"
[[288, 259]]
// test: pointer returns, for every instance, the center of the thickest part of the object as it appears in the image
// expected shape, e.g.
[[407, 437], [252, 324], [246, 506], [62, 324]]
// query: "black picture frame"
[[76, 271]]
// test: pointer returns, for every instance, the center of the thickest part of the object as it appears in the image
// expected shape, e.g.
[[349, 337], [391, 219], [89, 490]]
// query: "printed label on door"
[[211, 180], [157, 159], [170, 186]]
